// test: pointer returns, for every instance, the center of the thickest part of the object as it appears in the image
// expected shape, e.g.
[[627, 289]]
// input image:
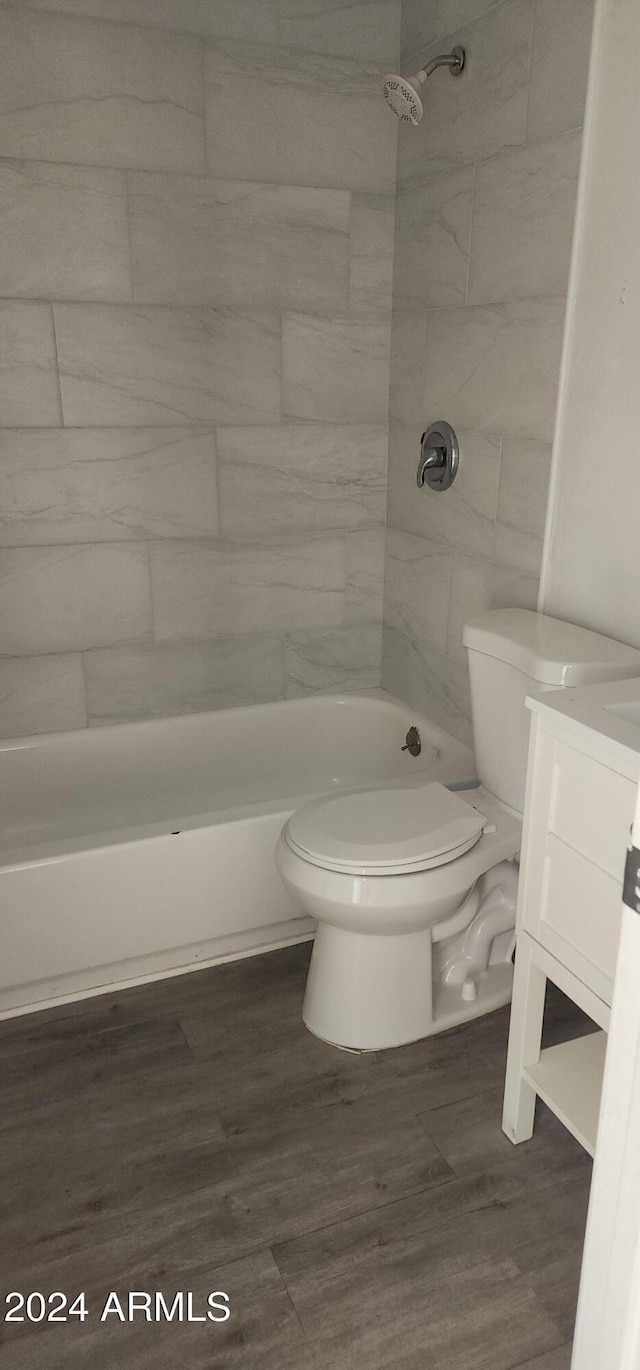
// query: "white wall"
[[591, 570]]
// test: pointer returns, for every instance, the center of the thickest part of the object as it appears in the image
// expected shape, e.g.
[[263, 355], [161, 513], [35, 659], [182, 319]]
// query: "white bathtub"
[[146, 849]]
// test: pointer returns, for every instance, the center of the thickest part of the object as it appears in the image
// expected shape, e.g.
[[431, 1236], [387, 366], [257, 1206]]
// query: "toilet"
[[414, 887]]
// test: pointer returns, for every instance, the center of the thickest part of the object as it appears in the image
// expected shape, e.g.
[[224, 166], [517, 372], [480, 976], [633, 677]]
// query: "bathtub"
[[141, 850]]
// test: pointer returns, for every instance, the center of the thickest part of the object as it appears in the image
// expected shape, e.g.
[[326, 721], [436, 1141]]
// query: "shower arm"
[[446, 59]]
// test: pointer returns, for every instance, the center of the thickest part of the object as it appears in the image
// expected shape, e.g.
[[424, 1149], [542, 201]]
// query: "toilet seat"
[[385, 832]]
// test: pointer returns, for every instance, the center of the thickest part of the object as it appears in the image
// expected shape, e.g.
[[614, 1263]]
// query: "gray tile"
[[213, 589], [73, 90], [433, 224], [474, 117], [63, 232], [65, 599], [304, 119], [523, 212], [29, 392], [416, 589], [559, 67], [334, 659], [494, 368], [301, 476], [103, 484], [465, 516], [148, 365], [406, 386], [41, 694], [368, 30], [371, 254], [197, 241], [252, 19], [423, 24], [396, 649], [364, 588], [439, 688], [522, 503], [335, 369], [478, 585], [126, 683]]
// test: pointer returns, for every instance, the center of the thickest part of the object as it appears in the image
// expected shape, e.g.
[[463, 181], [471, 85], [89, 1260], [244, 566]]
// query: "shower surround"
[[195, 298], [485, 205]]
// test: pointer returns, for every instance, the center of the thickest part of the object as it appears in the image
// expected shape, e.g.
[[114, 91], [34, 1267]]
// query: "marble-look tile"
[[424, 24], [335, 369], [465, 515], [559, 67], [396, 650], [74, 90], [251, 19], [29, 392], [364, 590], [478, 585], [367, 29], [63, 232], [104, 484], [301, 476], [198, 241], [371, 254], [482, 112], [67, 599], [304, 119], [433, 224], [494, 368], [41, 694], [523, 211], [406, 384], [213, 589], [152, 365], [126, 683], [345, 658], [439, 688], [522, 503], [416, 587]]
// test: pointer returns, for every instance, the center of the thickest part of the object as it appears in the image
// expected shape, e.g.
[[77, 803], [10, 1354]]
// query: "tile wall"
[[196, 242], [484, 214]]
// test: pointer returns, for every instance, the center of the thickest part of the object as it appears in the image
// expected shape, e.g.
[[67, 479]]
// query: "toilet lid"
[[374, 831]]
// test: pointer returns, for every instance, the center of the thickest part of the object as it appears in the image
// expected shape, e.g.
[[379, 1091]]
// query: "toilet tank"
[[516, 652]]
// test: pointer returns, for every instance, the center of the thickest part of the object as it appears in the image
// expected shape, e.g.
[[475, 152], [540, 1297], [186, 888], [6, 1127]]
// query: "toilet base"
[[369, 993]]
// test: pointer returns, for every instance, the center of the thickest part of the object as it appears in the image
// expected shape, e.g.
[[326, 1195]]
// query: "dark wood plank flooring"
[[361, 1212]]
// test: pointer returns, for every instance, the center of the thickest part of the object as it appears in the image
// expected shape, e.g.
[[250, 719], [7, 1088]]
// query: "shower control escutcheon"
[[439, 457]]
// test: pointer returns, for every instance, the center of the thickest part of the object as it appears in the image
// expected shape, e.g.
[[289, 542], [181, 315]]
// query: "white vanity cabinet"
[[584, 764]]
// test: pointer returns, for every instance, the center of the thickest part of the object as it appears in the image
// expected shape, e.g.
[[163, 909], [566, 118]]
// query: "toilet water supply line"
[[492, 906]]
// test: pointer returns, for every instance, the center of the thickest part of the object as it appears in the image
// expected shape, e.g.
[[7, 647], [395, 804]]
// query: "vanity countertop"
[[609, 713]]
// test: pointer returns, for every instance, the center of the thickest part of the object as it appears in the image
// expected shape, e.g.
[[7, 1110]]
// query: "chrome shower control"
[[439, 457]]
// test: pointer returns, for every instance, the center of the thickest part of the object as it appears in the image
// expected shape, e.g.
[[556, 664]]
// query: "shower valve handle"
[[439, 457]]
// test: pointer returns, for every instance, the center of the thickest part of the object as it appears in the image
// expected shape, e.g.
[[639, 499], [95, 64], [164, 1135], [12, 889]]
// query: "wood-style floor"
[[361, 1212]]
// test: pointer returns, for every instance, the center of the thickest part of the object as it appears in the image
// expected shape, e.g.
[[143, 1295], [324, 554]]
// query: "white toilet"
[[414, 888]]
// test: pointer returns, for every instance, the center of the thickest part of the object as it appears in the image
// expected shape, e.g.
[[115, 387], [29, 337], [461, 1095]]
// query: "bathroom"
[[236, 291]]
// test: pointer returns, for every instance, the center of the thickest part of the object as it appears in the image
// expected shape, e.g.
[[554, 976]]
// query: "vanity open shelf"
[[584, 765]]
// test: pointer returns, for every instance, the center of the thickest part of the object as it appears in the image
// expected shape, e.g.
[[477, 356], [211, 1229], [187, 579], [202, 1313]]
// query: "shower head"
[[403, 93]]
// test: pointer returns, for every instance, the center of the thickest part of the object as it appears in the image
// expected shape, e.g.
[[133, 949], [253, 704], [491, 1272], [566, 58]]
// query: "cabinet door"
[[578, 831]]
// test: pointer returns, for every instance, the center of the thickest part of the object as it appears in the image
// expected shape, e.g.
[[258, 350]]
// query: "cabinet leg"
[[525, 1035]]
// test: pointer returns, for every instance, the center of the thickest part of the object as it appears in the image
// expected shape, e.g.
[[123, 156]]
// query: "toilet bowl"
[[414, 889], [394, 878]]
